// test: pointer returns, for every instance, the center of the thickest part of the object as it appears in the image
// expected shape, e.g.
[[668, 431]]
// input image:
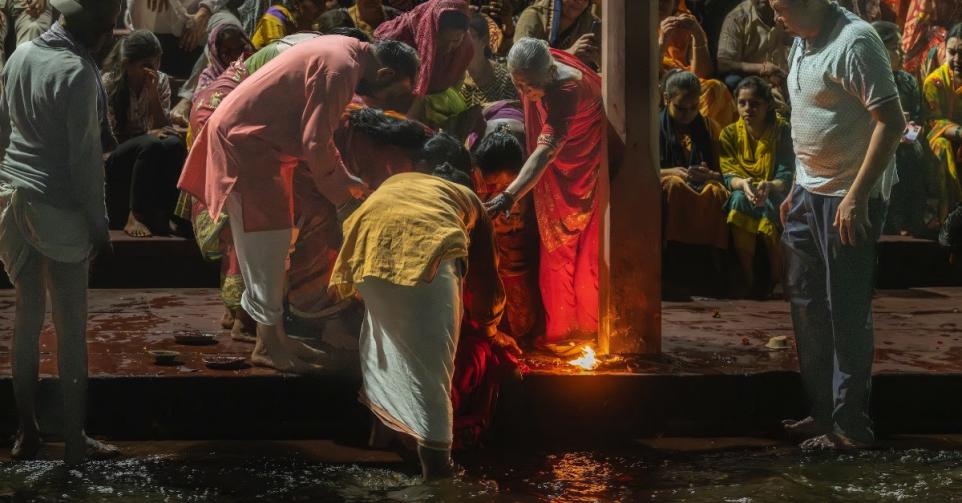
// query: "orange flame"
[[587, 360]]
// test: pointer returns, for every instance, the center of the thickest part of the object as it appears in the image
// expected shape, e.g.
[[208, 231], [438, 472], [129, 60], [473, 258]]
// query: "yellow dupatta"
[[756, 163], [941, 100]]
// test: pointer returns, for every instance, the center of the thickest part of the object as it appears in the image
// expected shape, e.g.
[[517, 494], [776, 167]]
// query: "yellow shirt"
[[404, 230]]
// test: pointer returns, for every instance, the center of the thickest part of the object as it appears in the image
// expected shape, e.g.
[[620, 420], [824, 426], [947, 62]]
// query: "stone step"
[[175, 262], [716, 377]]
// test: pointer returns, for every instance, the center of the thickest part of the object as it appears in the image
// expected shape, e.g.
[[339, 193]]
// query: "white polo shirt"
[[834, 83]]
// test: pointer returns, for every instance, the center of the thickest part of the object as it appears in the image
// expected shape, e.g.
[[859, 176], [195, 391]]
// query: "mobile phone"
[[912, 132], [596, 26]]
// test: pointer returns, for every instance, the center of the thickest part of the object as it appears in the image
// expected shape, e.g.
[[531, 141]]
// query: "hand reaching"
[[501, 203]]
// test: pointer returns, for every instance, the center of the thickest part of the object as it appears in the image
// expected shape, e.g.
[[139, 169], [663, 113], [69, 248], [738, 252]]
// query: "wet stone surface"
[[918, 331]]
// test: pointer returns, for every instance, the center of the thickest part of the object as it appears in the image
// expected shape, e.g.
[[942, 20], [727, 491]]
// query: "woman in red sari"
[[565, 128]]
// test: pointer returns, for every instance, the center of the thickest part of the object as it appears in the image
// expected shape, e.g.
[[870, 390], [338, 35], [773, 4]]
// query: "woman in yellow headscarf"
[[683, 45], [757, 161], [942, 92]]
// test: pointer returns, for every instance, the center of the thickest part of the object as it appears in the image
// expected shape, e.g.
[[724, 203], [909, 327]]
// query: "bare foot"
[[101, 450], [89, 448], [26, 445], [244, 328], [136, 228], [304, 352], [831, 442], [227, 321], [805, 428], [285, 363]]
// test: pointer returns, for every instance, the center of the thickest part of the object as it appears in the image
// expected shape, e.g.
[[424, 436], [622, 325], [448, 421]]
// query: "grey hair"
[[679, 81], [531, 57]]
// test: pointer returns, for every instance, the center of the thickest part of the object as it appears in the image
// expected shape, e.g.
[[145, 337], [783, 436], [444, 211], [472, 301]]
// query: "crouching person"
[[407, 250]]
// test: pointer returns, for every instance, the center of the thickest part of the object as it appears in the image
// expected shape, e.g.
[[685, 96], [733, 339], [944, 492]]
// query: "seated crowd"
[[725, 143]]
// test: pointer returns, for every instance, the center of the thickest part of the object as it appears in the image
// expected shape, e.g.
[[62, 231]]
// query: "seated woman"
[[758, 163], [279, 21], [227, 43], [694, 206], [942, 92], [142, 172], [568, 25], [438, 30], [683, 45], [487, 81], [406, 251]]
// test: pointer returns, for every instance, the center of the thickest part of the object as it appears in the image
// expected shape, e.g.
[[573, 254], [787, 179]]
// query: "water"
[[743, 476]]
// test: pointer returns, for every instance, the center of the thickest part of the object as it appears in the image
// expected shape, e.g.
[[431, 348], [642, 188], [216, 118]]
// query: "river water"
[[626, 474]]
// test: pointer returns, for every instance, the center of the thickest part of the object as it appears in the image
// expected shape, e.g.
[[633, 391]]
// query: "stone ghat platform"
[[715, 378]]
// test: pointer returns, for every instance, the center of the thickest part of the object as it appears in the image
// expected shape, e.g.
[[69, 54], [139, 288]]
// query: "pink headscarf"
[[216, 64], [419, 29]]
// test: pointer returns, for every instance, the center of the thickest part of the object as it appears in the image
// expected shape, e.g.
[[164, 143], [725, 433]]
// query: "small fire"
[[587, 359]]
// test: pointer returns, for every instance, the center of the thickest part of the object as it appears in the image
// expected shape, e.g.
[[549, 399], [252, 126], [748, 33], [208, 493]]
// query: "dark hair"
[[761, 89], [350, 32], [955, 32], [448, 172], [499, 151], [887, 31], [677, 81], [334, 18], [388, 130], [136, 46], [479, 26], [441, 148], [453, 20], [227, 30], [398, 56]]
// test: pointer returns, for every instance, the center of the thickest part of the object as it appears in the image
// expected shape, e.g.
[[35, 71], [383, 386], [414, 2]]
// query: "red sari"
[[571, 117], [419, 29], [923, 39]]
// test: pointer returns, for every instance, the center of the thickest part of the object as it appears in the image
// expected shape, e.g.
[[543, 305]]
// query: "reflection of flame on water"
[[587, 359]]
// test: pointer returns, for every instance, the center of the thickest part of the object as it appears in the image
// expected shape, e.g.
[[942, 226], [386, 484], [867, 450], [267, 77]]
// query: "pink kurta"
[[284, 113]]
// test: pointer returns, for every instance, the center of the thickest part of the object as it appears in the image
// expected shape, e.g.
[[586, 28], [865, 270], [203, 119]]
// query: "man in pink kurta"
[[243, 160]]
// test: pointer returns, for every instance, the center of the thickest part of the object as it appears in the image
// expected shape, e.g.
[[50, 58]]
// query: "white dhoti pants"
[[263, 259], [407, 348]]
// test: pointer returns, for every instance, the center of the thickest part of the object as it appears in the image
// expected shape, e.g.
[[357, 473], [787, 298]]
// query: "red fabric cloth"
[[419, 29], [571, 117]]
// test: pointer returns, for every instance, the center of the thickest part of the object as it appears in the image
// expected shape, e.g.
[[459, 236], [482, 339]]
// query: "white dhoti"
[[263, 257], [408, 341]]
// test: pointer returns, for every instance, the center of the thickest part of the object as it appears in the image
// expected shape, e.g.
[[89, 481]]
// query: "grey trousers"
[[66, 285], [830, 288]]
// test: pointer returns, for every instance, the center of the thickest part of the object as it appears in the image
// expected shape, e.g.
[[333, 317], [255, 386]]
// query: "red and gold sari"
[[571, 118]]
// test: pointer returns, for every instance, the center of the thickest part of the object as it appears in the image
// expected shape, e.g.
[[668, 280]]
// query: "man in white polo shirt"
[[846, 124]]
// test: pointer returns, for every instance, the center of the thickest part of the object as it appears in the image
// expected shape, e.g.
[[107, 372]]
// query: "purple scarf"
[[59, 38]]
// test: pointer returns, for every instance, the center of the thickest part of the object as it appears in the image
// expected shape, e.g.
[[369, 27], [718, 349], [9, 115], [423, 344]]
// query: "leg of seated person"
[[29, 28], [4, 24], [745, 244], [138, 156]]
